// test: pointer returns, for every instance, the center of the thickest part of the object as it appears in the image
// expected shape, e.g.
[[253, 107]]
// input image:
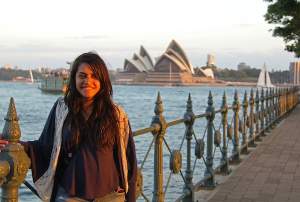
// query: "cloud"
[[89, 37], [245, 25]]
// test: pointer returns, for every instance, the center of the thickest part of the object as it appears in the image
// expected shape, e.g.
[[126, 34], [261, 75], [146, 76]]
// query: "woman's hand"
[[3, 143]]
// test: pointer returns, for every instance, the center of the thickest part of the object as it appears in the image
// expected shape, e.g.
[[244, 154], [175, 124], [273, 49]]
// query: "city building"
[[211, 61], [7, 66], [243, 66], [295, 73]]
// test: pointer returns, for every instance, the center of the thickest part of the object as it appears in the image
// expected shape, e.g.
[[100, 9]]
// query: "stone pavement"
[[271, 172]]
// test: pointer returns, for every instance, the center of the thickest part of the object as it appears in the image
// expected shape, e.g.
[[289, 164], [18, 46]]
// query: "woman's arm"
[[39, 151], [132, 168]]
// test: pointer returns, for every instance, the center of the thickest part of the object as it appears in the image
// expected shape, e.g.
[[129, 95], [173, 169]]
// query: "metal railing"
[[250, 120]]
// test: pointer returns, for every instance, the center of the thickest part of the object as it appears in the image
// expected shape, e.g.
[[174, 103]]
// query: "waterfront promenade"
[[271, 172]]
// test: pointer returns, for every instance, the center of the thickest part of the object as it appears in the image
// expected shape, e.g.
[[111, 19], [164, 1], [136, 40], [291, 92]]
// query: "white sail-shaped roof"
[[176, 55], [208, 73], [177, 48], [133, 66], [264, 78], [146, 58], [174, 60], [139, 63]]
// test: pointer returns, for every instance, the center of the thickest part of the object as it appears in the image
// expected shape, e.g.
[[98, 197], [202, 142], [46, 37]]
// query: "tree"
[[286, 15]]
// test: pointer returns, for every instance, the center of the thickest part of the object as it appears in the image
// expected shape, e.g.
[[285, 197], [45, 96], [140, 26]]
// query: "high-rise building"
[[243, 66], [211, 61], [295, 73]]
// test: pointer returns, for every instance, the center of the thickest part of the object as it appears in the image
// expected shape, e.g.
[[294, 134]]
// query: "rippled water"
[[33, 107]]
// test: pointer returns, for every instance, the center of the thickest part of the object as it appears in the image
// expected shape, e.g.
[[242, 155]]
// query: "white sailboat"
[[264, 80], [31, 76]]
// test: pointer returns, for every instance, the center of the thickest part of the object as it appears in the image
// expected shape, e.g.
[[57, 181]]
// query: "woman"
[[86, 151]]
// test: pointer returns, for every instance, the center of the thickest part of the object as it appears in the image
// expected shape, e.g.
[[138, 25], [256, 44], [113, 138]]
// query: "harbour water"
[[33, 107]]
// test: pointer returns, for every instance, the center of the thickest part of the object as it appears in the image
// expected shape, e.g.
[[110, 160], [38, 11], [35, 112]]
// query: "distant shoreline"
[[214, 84]]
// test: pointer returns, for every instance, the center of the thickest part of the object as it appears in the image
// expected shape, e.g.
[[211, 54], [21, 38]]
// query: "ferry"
[[54, 84]]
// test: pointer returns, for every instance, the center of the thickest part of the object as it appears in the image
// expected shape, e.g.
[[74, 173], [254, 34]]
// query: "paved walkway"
[[271, 172]]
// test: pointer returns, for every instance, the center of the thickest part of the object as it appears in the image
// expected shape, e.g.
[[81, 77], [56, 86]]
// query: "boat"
[[54, 84], [31, 76], [22, 79], [264, 80]]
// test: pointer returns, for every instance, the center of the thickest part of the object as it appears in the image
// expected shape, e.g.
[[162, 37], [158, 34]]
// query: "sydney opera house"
[[172, 67]]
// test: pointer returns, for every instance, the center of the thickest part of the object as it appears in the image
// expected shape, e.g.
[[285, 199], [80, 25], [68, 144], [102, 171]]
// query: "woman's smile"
[[87, 83]]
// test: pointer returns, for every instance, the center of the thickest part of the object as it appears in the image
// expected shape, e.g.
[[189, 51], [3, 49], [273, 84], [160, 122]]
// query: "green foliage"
[[280, 76], [285, 14], [250, 75]]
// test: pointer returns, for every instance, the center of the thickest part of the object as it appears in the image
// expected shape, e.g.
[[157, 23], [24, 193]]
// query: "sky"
[[35, 33]]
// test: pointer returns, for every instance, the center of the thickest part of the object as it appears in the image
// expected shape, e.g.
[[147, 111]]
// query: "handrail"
[[249, 120]]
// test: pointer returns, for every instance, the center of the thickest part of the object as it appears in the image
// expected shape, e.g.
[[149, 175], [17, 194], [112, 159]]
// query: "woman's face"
[[87, 83]]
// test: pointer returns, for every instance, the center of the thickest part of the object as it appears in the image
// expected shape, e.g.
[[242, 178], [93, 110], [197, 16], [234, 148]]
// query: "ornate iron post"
[[257, 115], [271, 105], [262, 112], [267, 98], [189, 117], [282, 98], [236, 138], [280, 103], [225, 168], [210, 110], [14, 161], [160, 124], [273, 108], [251, 129], [277, 112], [286, 100], [290, 97], [243, 126]]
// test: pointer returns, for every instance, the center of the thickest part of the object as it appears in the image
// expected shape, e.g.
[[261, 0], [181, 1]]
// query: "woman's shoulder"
[[60, 105], [120, 111]]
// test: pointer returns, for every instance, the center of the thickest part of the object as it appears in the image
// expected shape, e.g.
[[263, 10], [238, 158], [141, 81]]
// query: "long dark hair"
[[101, 128]]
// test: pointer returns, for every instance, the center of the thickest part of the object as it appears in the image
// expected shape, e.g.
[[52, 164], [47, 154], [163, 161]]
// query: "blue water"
[[33, 107]]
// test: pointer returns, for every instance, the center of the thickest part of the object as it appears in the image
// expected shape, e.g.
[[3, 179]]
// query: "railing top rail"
[[174, 122]]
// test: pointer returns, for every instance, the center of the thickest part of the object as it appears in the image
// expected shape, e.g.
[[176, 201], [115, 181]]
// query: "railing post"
[[262, 113], [257, 116], [276, 105], [160, 124], [210, 110], [293, 96], [189, 117], [14, 162], [290, 96], [270, 109], [236, 138], [267, 115], [251, 129], [280, 103], [225, 168], [244, 131], [286, 100], [273, 108]]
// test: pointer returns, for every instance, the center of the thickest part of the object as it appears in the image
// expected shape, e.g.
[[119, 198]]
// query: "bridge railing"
[[231, 129]]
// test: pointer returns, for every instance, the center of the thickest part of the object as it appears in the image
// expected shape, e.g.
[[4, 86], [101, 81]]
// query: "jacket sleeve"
[[132, 168], [39, 151]]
